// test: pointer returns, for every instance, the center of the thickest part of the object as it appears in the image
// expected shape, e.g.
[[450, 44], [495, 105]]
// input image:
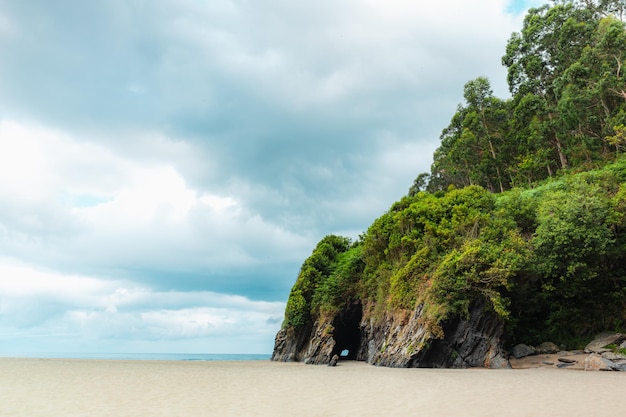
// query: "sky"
[[166, 166]]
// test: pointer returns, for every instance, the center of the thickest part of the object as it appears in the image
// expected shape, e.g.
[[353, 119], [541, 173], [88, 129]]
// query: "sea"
[[149, 356]]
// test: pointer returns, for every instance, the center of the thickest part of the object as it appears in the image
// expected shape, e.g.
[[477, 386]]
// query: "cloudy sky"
[[167, 165]]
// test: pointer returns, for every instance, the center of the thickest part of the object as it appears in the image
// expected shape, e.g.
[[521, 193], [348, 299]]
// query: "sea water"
[[149, 356]]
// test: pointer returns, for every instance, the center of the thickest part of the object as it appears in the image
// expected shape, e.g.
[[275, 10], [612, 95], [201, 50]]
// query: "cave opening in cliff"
[[347, 332]]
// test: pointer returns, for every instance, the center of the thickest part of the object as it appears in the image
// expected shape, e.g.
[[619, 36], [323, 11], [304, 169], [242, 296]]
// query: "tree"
[[551, 39], [572, 243], [591, 92], [603, 7], [315, 270], [470, 151], [419, 184]]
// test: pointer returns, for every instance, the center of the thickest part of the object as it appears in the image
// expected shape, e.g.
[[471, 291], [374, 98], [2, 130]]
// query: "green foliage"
[[328, 279], [577, 283], [473, 150], [340, 286], [419, 184], [568, 109], [573, 229], [296, 312], [480, 268], [315, 270], [405, 283], [443, 250], [616, 349], [618, 140]]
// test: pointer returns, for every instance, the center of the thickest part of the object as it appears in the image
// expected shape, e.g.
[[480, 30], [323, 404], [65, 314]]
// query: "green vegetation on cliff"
[[550, 260], [327, 280], [525, 205]]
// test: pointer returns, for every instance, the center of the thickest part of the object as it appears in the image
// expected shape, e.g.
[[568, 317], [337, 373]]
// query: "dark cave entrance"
[[347, 333]]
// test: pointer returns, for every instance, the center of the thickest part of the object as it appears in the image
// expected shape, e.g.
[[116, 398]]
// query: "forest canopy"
[[567, 110]]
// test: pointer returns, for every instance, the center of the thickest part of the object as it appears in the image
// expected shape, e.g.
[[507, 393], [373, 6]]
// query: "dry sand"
[[68, 388]]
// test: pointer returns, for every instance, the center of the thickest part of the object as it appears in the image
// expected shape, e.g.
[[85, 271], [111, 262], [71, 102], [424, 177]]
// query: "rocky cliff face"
[[397, 339]]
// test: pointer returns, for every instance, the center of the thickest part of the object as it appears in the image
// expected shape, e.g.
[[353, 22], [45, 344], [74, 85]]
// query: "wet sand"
[[68, 388]]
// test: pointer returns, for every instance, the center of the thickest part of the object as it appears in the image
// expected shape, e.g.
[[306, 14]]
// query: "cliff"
[[453, 276], [396, 340], [454, 279]]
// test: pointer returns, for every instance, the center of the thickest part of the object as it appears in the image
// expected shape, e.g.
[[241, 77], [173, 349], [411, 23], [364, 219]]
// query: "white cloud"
[[19, 279], [76, 202], [86, 310], [38, 163], [147, 195]]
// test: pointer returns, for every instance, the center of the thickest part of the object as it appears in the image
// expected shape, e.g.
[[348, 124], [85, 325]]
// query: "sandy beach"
[[98, 388]]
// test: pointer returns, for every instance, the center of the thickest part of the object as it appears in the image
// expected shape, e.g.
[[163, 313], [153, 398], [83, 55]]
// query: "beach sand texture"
[[92, 388]]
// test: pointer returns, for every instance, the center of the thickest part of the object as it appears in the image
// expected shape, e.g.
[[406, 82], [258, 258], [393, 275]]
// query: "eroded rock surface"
[[595, 362], [521, 350], [601, 354], [397, 339], [600, 343], [546, 348]]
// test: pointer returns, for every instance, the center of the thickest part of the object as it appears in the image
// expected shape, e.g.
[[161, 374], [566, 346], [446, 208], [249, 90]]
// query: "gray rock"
[[564, 365], [315, 342], [619, 366], [546, 348], [499, 362], [598, 344], [595, 362], [613, 356], [567, 360], [550, 363], [475, 341], [522, 350], [398, 339], [333, 360]]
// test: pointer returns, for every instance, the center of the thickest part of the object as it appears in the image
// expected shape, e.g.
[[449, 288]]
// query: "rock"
[[549, 363], [546, 348], [398, 339], [599, 343], [472, 342], [499, 362], [623, 345], [334, 360], [619, 366], [595, 362], [522, 350], [567, 360], [315, 342], [612, 356], [564, 365], [309, 344]]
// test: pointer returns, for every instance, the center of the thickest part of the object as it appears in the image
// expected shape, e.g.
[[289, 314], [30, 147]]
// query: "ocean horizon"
[[144, 356]]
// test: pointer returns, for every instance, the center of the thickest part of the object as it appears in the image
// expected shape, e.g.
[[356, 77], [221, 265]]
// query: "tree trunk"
[[559, 149]]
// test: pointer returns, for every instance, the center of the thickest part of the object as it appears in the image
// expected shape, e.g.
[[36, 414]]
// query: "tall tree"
[[486, 118], [566, 71], [615, 8], [470, 151], [551, 39]]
